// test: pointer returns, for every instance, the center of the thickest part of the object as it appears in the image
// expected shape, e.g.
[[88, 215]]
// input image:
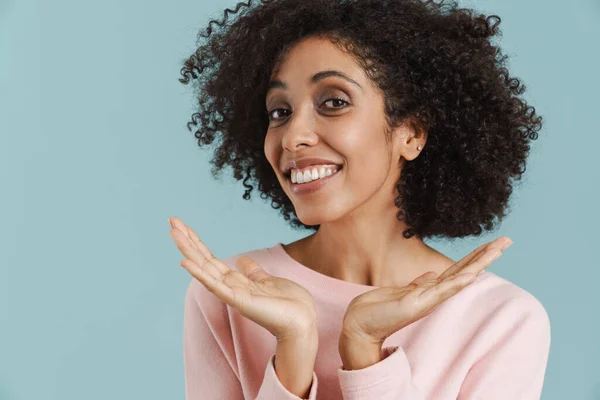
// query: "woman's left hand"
[[373, 316]]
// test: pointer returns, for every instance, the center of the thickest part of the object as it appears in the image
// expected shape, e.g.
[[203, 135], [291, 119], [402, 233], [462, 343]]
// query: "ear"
[[409, 139]]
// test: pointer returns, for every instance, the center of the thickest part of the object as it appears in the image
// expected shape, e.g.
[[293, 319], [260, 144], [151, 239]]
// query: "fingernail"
[[170, 223]]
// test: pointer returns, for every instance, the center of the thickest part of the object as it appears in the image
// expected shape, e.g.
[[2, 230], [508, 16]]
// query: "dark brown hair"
[[436, 66]]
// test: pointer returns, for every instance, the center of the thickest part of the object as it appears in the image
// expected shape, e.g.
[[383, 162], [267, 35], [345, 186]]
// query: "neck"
[[366, 253], [368, 249]]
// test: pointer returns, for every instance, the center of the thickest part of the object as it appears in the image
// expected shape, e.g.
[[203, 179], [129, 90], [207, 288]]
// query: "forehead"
[[313, 59]]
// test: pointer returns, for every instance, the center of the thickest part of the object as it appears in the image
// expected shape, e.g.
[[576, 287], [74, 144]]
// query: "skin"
[[359, 240], [279, 305]]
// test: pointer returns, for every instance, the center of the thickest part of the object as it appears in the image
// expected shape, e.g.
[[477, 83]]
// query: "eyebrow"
[[276, 83]]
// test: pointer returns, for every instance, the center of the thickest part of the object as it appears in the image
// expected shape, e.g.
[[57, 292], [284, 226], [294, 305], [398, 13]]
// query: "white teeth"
[[307, 176], [315, 174], [311, 174]]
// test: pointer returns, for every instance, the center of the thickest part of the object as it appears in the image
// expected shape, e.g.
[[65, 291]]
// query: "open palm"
[[375, 315], [279, 305]]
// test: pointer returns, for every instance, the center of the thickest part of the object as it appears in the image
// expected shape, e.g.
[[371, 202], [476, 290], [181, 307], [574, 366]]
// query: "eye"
[[270, 114], [336, 99]]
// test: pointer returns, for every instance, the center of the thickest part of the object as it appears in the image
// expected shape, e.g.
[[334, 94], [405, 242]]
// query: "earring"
[[419, 148]]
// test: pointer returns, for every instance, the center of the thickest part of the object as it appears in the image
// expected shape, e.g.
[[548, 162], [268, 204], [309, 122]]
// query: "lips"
[[312, 186], [306, 162]]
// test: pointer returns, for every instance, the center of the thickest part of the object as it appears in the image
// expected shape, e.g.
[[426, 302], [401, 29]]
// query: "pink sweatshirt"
[[490, 341]]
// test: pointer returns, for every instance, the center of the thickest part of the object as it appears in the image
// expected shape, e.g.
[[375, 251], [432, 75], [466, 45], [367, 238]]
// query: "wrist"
[[307, 341], [299, 349], [307, 334], [358, 353], [354, 336], [294, 362]]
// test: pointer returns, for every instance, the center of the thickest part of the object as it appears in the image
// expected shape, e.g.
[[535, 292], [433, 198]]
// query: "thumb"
[[251, 269]]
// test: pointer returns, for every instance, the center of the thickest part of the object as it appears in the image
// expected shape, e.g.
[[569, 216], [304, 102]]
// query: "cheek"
[[270, 150], [362, 150], [273, 152], [368, 165]]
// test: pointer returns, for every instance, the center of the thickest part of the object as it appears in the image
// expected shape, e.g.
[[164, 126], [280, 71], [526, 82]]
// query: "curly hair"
[[437, 70]]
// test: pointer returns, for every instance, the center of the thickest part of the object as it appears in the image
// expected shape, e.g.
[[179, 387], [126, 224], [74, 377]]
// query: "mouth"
[[313, 185]]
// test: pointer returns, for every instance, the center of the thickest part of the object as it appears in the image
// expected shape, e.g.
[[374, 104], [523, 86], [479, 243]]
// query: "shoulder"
[[500, 293], [500, 308], [261, 255]]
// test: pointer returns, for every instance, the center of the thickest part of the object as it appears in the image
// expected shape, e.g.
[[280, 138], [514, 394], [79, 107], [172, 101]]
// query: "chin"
[[317, 217]]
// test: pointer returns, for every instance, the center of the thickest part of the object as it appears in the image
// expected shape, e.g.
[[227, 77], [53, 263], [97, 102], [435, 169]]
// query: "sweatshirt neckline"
[[310, 277], [319, 281]]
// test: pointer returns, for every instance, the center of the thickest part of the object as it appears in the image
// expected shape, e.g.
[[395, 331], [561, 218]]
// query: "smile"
[[313, 185]]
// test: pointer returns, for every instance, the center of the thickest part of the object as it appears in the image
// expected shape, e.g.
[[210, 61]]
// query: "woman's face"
[[306, 121]]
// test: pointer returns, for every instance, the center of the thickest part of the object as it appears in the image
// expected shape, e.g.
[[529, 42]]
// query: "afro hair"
[[436, 67]]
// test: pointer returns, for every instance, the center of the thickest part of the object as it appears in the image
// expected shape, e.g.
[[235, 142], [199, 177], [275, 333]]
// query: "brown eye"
[[336, 100], [270, 114], [337, 103]]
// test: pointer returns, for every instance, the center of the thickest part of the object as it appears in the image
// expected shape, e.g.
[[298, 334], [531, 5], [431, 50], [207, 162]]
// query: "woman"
[[375, 124]]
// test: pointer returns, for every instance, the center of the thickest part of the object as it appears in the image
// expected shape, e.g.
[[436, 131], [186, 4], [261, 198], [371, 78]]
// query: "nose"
[[299, 132]]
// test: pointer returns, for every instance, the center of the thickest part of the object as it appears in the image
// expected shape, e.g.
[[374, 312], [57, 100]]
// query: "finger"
[[215, 285], [447, 288], [500, 243], [195, 241], [251, 269], [199, 244], [480, 263], [455, 268], [216, 267], [176, 223], [423, 278], [209, 264]]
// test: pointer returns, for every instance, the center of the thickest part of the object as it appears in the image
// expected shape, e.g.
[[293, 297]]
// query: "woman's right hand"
[[279, 305]]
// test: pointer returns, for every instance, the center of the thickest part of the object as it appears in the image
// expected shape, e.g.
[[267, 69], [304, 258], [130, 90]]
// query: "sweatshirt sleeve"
[[272, 388], [389, 379], [209, 373], [515, 366]]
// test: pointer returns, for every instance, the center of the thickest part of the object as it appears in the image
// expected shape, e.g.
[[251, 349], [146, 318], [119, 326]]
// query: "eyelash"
[[332, 98]]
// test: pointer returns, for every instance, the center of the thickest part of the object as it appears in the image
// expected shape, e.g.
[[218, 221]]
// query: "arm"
[[376, 314], [294, 364], [370, 372], [209, 374], [290, 371], [515, 367]]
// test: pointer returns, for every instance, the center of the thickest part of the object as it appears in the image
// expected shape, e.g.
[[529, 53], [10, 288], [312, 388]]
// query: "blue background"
[[95, 155]]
